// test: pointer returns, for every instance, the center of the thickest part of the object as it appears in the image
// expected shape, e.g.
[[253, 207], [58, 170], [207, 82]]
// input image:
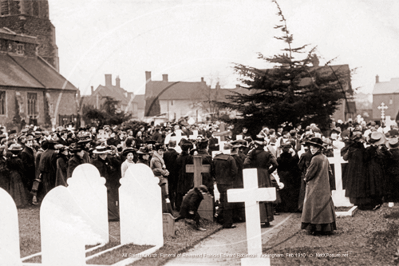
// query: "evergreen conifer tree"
[[295, 91]]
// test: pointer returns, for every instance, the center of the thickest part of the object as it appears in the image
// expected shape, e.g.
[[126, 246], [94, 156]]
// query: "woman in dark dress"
[[17, 189], [185, 181], [303, 165], [356, 183], [393, 170], [110, 168], [265, 163], [289, 174], [375, 159]]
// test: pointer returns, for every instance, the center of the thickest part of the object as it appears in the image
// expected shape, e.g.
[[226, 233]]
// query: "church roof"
[[387, 87], [30, 72]]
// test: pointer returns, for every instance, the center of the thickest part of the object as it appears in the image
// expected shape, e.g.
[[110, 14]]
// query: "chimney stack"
[[202, 79], [237, 86], [108, 80], [165, 77], [377, 79], [92, 90], [147, 76], [118, 82]]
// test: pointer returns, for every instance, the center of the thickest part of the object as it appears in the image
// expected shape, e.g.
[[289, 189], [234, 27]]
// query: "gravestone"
[[338, 195], [168, 225], [9, 231], [238, 137], [251, 194], [140, 205], [206, 208], [64, 231], [222, 128], [89, 192]]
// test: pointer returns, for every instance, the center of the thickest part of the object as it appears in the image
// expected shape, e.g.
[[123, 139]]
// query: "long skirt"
[[17, 190]]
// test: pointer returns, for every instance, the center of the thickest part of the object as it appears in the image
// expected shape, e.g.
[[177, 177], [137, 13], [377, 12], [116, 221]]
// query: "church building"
[[32, 91]]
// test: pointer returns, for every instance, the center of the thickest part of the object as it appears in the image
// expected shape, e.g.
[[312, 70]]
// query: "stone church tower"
[[31, 17]]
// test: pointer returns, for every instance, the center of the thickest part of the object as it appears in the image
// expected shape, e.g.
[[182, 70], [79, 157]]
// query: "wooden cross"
[[338, 194], [197, 168], [382, 108], [251, 194]]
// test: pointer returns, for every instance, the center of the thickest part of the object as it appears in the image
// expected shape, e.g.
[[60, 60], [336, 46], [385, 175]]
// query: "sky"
[[192, 39]]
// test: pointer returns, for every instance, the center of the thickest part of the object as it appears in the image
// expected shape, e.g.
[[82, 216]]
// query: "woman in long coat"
[[318, 215], [185, 181], [265, 163]]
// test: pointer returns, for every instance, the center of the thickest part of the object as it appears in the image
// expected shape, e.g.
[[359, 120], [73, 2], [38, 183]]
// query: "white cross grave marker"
[[338, 194], [251, 194]]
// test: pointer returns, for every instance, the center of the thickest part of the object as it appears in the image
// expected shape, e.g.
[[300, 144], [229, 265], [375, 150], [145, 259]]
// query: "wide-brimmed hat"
[[376, 138], [260, 140], [126, 151], [101, 150], [315, 141], [356, 135], [84, 139], [392, 143], [15, 148]]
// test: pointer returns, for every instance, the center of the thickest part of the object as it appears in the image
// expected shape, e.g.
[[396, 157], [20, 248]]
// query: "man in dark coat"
[[48, 169], [109, 168], [185, 180], [207, 179], [170, 158], [239, 157], [224, 170], [76, 159], [189, 207]]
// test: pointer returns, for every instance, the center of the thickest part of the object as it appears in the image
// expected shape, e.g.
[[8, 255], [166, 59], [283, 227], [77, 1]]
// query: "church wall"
[[66, 104], [20, 95]]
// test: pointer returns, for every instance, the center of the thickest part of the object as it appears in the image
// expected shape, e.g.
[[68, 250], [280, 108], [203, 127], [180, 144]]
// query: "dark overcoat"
[[191, 202], [185, 180], [48, 170], [318, 207], [62, 167], [28, 159]]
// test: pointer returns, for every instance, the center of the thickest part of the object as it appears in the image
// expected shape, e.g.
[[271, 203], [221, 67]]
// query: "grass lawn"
[[185, 238], [368, 238]]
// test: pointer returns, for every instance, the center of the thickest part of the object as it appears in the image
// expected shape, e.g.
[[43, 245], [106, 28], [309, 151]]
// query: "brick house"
[[127, 101], [386, 92], [31, 90]]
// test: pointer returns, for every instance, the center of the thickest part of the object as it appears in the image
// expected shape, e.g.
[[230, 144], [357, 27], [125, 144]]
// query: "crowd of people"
[[293, 161]]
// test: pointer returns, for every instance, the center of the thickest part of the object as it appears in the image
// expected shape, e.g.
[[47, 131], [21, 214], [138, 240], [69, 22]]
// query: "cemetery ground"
[[367, 238], [186, 237]]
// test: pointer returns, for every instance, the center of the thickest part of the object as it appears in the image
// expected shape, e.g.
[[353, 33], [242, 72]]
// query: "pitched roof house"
[[386, 92], [127, 101]]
